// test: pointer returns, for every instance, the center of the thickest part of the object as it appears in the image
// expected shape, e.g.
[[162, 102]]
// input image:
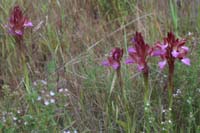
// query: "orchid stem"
[[146, 101], [119, 76], [170, 93]]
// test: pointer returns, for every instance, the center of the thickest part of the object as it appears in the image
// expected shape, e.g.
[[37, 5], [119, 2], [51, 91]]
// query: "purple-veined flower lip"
[[162, 64], [28, 24], [129, 61], [175, 54], [185, 48], [114, 64], [186, 61], [131, 50], [105, 63]]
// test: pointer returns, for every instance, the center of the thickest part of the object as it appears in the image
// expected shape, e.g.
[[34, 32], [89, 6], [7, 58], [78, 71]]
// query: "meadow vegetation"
[[54, 80]]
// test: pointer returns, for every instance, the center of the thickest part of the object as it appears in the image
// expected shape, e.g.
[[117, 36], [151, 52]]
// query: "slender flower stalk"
[[114, 61], [139, 54], [170, 50]]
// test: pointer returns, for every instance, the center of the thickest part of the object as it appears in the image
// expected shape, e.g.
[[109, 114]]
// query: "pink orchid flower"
[[18, 22], [171, 49], [139, 52], [114, 59]]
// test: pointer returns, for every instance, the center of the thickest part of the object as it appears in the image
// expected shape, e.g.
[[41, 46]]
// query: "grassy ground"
[[62, 84]]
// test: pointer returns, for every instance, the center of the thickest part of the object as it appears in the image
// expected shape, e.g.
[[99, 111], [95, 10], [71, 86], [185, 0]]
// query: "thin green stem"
[[119, 76], [146, 102]]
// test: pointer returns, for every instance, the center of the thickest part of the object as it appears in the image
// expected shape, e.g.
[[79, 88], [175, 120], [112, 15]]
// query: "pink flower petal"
[[163, 46], [158, 52], [131, 50], [115, 65], [185, 48], [129, 61], [162, 64], [28, 24], [175, 53], [105, 63], [18, 32], [140, 67], [186, 61]]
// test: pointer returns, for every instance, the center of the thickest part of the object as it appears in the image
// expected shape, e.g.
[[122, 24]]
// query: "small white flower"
[[66, 131], [25, 123], [52, 100], [52, 93], [46, 102], [14, 118], [60, 90], [189, 33], [18, 111], [39, 98], [170, 121], [170, 109], [163, 111], [44, 82]]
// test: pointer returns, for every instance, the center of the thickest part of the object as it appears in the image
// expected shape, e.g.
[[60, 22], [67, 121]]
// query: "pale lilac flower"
[[52, 93], [46, 102], [52, 100]]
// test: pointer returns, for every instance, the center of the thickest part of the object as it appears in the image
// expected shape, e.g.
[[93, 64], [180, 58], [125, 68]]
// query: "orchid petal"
[[28, 24], [185, 48], [158, 52], [162, 64], [140, 67], [163, 46], [115, 65], [18, 32], [186, 61], [133, 40], [131, 50], [175, 53], [105, 63], [129, 61]]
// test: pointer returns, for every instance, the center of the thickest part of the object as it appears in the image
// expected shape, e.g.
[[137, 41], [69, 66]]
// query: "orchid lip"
[[114, 58]]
